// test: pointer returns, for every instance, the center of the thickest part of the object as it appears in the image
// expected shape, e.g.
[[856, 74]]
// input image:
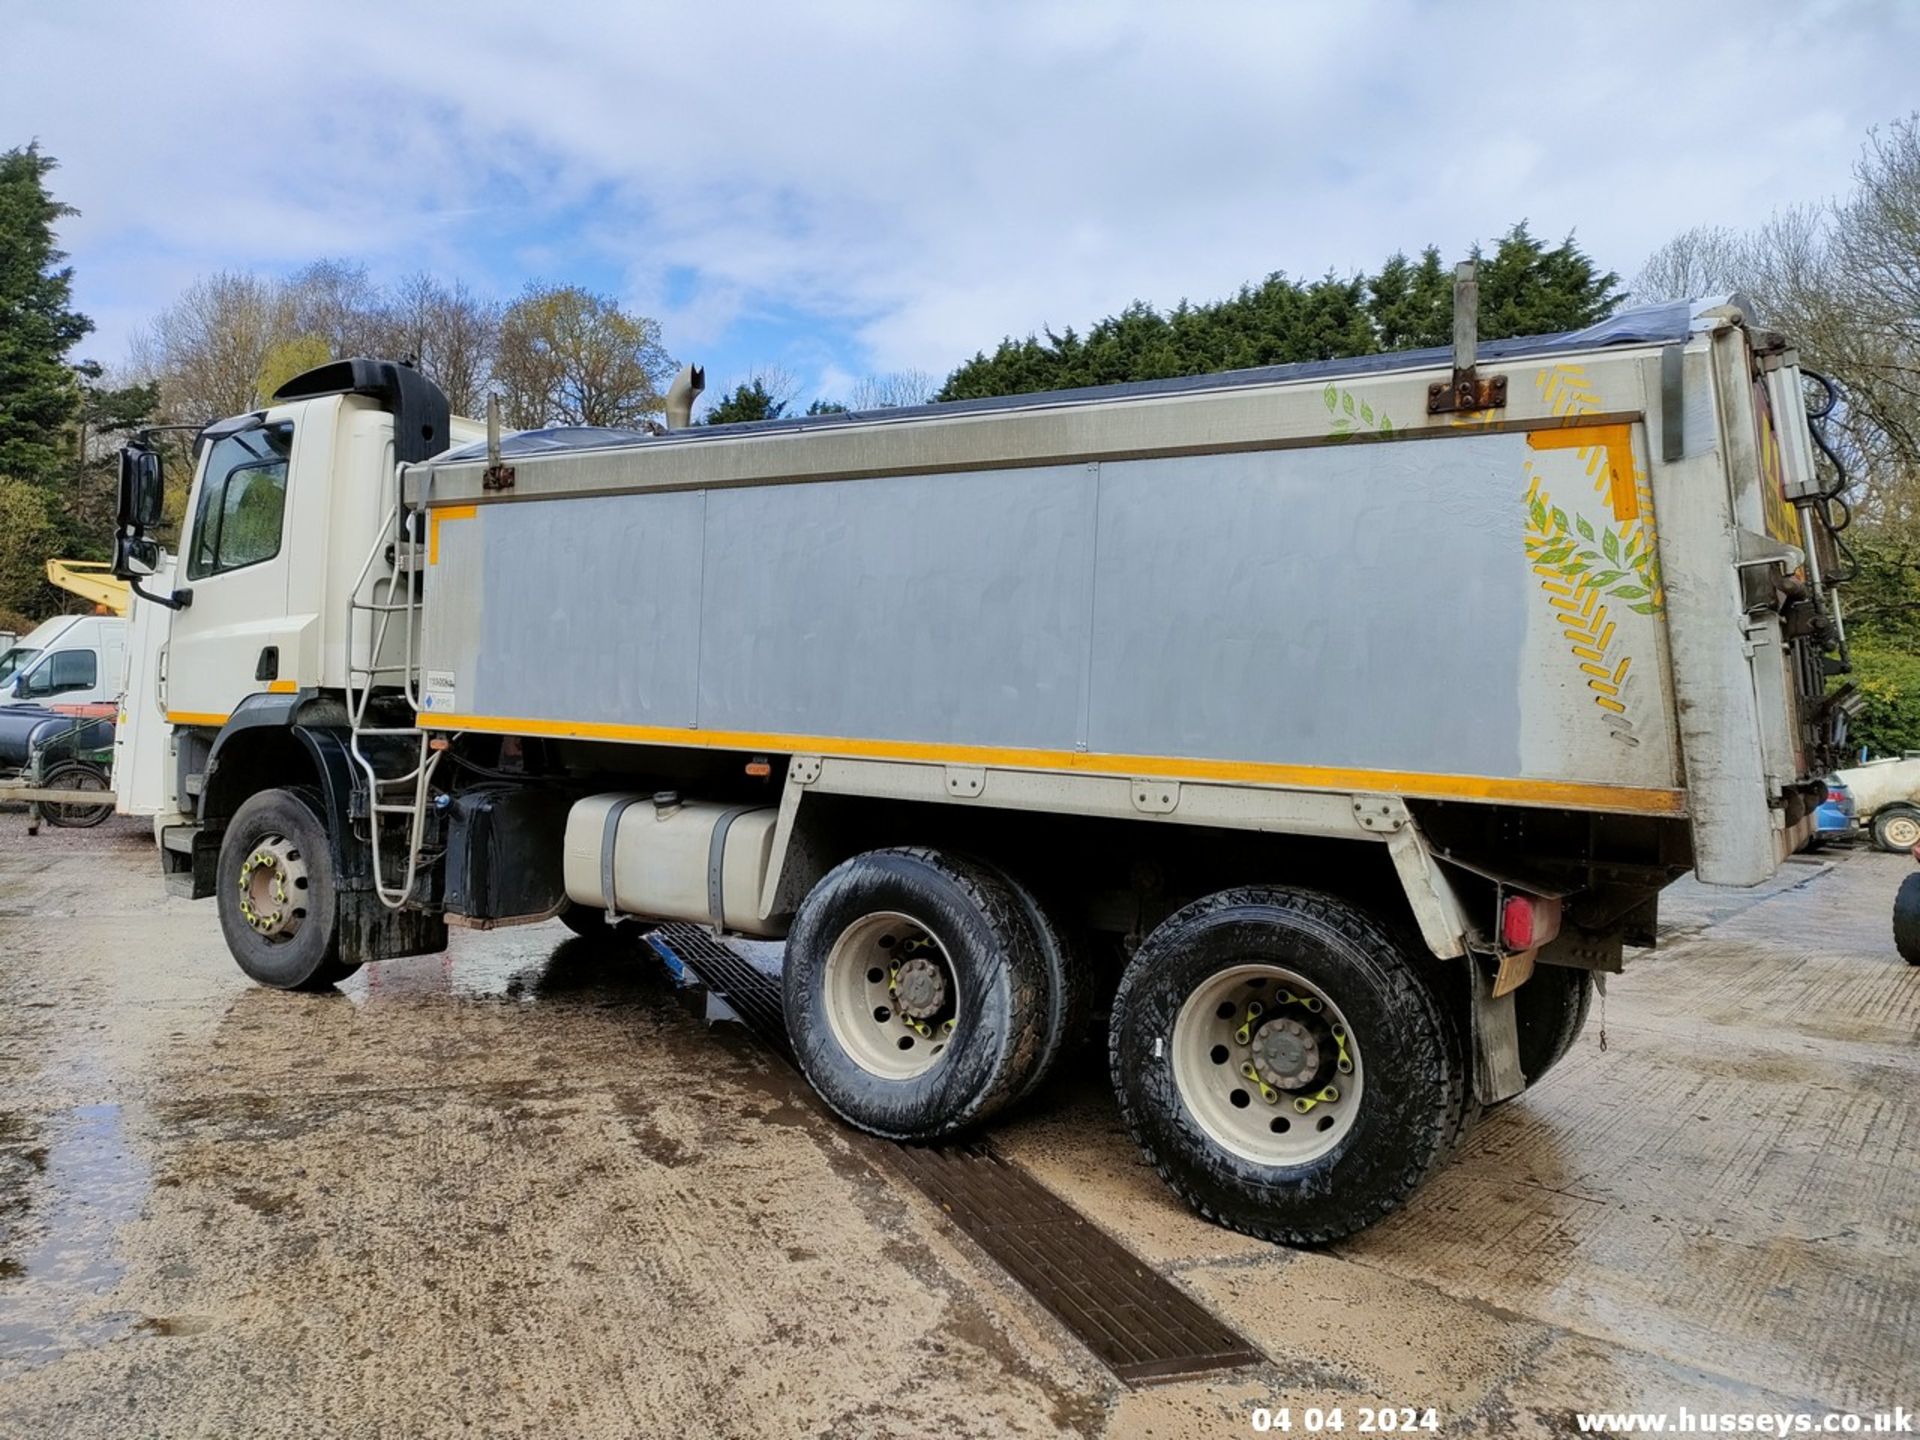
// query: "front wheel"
[[1283, 1065], [1896, 829], [276, 894]]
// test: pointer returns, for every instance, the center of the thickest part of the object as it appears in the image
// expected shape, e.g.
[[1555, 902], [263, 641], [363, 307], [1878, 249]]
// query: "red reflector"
[[1527, 921], [1836, 796]]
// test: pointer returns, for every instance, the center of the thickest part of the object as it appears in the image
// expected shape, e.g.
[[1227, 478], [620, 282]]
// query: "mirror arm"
[[178, 600]]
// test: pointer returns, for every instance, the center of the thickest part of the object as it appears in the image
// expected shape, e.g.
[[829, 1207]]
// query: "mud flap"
[[1496, 1040]]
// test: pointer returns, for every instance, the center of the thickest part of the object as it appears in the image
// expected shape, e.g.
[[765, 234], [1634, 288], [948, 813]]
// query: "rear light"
[[1528, 921], [1836, 797]]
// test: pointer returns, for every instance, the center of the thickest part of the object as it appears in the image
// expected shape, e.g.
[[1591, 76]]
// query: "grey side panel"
[[1363, 606], [929, 607], [591, 609]]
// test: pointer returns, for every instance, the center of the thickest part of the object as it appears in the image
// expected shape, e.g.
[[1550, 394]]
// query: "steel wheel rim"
[[273, 884], [72, 812], [891, 1033], [1902, 832], [1267, 1124]]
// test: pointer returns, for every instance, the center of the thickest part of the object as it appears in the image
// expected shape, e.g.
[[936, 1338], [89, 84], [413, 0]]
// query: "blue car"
[[1834, 820]]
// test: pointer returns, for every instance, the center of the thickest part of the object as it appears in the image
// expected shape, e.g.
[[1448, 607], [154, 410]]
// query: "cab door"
[[225, 644]]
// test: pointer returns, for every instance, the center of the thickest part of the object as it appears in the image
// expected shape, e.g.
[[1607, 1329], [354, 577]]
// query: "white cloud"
[[926, 178]]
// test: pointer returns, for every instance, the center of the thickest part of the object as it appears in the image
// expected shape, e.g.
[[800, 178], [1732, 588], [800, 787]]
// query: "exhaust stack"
[[685, 389]]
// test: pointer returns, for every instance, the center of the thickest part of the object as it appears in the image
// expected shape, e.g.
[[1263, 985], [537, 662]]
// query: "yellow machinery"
[[90, 580]]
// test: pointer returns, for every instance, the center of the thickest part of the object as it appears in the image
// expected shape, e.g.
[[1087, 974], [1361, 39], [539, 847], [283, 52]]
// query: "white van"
[[68, 660]]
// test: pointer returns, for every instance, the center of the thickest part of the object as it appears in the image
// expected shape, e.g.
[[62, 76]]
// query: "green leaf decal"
[[1648, 608], [1366, 412], [1346, 401], [1629, 592], [1586, 530], [1559, 519], [1386, 426], [1607, 577], [1611, 544], [1332, 397]]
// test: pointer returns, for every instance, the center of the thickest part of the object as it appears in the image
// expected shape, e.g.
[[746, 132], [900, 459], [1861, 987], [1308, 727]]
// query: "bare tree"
[[335, 302], [895, 388], [1843, 282], [448, 331], [1707, 260], [567, 356], [207, 350]]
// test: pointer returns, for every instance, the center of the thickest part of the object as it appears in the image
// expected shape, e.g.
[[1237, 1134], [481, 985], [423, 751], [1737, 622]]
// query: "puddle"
[[65, 1187], [527, 964]]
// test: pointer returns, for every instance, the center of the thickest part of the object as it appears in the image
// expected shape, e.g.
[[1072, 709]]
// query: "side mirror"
[[143, 490], [134, 556]]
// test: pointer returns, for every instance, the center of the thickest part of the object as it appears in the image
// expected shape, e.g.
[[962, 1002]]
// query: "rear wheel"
[[1283, 1065], [1069, 984], [1897, 828], [1550, 1011], [276, 894], [1906, 919], [915, 992], [77, 775]]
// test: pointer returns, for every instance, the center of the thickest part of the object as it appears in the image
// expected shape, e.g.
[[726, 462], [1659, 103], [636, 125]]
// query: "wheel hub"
[[273, 882], [920, 988], [1286, 1054], [1266, 1066]]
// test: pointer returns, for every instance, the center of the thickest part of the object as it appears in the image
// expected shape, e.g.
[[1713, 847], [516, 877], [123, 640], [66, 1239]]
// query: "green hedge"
[[1889, 681]]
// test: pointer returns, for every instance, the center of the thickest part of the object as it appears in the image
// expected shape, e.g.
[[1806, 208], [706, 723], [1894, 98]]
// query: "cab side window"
[[243, 501]]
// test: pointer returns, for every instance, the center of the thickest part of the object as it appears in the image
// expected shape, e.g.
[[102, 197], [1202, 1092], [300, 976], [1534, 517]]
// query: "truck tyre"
[[1281, 1062], [915, 992], [275, 890], [1452, 990], [1069, 984], [1896, 829], [1550, 1011], [1906, 919]]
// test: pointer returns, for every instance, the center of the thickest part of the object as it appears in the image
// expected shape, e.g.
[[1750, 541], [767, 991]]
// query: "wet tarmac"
[[524, 1189]]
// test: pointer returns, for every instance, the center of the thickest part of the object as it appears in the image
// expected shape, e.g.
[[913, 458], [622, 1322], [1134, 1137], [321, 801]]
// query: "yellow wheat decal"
[[1578, 593], [1566, 391]]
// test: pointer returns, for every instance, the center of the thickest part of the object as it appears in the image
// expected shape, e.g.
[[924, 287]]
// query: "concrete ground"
[[522, 1190]]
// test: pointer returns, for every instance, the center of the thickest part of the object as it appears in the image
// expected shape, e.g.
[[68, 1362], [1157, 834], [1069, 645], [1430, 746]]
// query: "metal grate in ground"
[[753, 994], [1135, 1321]]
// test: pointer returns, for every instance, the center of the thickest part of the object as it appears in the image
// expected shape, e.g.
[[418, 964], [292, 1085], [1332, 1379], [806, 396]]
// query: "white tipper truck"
[[1337, 722]]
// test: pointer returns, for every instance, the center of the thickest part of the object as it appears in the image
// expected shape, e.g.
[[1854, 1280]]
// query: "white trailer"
[[1886, 799], [1338, 720]]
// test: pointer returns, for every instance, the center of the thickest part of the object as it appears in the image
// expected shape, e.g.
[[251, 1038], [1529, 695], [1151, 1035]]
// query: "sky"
[[853, 187]]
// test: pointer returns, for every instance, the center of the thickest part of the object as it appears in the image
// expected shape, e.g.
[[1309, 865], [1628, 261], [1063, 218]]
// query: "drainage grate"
[[1138, 1323], [752, 994]]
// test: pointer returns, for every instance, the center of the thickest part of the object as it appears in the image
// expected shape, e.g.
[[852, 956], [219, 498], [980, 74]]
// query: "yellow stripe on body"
[[434, 519], [1573, 793]]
